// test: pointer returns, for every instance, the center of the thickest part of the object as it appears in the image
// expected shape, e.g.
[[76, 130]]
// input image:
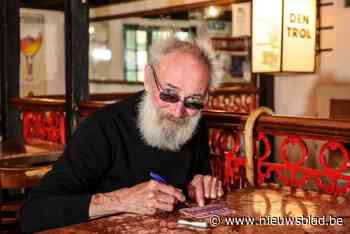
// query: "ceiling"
[[59, 4]]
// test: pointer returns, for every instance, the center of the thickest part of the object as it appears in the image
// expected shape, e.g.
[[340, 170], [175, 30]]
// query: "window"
[[100, 53], [137, 40]]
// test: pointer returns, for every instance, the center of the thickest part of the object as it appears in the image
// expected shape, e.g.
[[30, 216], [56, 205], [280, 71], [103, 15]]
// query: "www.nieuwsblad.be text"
[[216, 220]]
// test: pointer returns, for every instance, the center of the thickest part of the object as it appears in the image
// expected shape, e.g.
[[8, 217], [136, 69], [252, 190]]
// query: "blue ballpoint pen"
[[158, 178]]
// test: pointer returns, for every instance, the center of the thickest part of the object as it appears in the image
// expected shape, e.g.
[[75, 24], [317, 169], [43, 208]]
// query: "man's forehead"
[[180, 58], [184, 71], [185, 65]]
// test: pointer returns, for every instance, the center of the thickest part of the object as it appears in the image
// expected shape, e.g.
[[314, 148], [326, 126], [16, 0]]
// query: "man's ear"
[[147, 78]]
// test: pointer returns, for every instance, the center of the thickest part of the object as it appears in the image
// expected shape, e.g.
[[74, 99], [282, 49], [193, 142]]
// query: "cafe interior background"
[[118, 51], [294, 94]]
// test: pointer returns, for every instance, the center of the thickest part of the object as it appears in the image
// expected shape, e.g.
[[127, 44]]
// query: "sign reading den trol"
[[283, 48]]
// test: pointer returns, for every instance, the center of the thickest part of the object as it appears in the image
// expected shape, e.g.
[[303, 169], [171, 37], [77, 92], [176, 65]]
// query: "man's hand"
[[204, 186], [144, 198]]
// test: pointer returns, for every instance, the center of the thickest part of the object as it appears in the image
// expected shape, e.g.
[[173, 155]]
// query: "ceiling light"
[[91, 29], [212, 12]]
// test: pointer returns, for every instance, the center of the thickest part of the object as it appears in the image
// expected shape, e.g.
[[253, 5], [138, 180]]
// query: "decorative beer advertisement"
[[42, 52], [32, 32], [267, 35]]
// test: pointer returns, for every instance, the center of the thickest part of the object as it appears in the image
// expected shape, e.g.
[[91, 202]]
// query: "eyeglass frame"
[[186, 103]]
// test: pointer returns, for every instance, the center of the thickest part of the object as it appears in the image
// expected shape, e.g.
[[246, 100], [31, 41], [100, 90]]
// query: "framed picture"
[[236, 68], [32, 36], [241, 19], [234, 55], [42, 52]]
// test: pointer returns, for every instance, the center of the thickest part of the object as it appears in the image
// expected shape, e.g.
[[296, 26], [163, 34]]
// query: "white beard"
[[162, 130]]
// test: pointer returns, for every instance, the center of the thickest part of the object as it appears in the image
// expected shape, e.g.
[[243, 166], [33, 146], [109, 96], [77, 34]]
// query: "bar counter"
[[269, 202]]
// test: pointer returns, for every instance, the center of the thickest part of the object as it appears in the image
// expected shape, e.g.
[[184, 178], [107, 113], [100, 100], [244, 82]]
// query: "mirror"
[[119, 47]]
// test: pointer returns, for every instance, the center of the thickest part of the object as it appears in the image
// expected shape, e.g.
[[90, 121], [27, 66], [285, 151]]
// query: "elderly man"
[[106, 167]]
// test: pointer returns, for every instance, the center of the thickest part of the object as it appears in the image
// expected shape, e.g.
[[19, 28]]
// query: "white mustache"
[[180, 121]]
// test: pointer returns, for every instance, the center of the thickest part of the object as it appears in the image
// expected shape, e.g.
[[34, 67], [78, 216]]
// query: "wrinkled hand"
[[204, 186], [144, 198], [148, 197]]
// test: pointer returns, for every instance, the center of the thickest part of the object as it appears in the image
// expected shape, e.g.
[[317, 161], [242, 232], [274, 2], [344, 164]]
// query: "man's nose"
[[179, 109]]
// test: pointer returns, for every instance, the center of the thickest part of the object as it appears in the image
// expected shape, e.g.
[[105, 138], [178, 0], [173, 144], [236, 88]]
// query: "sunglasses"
[[171, 96]]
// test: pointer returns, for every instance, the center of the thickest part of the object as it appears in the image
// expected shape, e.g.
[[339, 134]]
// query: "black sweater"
[[107, 153]]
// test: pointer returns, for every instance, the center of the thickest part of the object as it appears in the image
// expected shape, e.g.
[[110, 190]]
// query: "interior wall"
[[300, 94], [309, 95]]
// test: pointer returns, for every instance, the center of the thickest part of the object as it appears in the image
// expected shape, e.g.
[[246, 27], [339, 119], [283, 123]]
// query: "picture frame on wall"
[[241, 19], [234, 54], [236, 68]]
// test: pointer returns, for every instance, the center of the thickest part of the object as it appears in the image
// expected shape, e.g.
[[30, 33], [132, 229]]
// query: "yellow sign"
[[283, 48]]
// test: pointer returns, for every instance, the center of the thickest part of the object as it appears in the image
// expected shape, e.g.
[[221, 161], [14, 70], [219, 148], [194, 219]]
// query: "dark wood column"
[[9, 67], [77, 59], [266, 86]]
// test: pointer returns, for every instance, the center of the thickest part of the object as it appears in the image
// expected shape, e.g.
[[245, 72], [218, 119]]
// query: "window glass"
[[130, 39], [137, 41]]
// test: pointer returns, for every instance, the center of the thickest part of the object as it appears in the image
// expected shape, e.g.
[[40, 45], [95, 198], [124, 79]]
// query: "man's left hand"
[[204, 186]]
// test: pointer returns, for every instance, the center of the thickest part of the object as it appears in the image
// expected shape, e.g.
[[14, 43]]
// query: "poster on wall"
[[299, 35], [241, 19], [41, 52], [31, 39], [236, 68], [266, 35], [284, 36]]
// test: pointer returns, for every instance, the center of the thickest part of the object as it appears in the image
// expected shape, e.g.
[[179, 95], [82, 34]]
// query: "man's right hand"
[[144, 198]]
